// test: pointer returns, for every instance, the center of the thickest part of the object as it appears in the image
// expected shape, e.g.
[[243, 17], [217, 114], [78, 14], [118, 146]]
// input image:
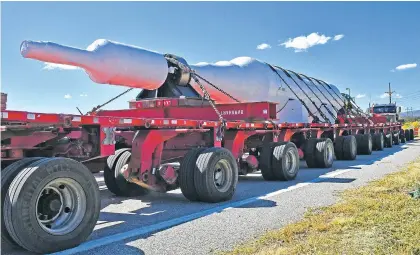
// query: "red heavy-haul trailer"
[[50, 199]]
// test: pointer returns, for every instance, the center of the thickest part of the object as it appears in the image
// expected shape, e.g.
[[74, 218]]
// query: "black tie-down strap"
[[315, 118]]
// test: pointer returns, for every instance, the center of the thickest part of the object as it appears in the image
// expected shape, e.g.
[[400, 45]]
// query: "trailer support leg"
[[235, 141]]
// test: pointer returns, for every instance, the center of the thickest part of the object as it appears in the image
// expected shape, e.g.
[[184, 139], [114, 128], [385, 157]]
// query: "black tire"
[[324, 153], [20, 208], [364, 144], [109, 170], [388, 141], [396, 138], [378, 142], [204, 177], [349, 147], [282, 156], [359, 143], [8, 174], [265, 162], [402, 136], [411, 134], [407, 135], [125, 188], [186, 174], [338, 147], [310, 147]]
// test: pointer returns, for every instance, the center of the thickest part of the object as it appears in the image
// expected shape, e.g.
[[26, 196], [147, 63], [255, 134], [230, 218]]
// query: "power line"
[[417, 93]]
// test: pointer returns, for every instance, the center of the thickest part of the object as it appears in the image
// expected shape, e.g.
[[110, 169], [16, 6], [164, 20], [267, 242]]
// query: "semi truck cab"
[[390, 111]]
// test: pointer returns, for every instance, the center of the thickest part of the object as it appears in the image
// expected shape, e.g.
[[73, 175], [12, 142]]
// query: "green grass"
[[379, 218]]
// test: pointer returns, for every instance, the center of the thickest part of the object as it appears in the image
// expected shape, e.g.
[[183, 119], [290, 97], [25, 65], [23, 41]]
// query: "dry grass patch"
[[379, 218]]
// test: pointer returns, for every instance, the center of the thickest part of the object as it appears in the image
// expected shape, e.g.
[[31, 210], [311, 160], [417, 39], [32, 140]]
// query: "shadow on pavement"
[[132, 213], [120, 215]]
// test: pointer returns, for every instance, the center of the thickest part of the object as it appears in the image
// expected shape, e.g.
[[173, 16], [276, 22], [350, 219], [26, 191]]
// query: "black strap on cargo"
[[322, 93], [357, 112], [316, 119], [313, 92], [323, 84], [304, 92]]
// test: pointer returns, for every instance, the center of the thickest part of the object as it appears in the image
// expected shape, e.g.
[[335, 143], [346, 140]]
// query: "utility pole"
[[389, 92], [408, 110]]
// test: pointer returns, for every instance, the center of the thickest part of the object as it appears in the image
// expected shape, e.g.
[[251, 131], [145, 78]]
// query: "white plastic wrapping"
[[244, 78], [106, 62], [248, 79]]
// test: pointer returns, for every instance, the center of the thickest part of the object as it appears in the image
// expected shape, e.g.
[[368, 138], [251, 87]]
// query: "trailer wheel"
[[388, 141], [338, 147], [378, 142], [324, 153], [364, 144], [407, 135], [52, 205], [285, 161], [265, 162], [109, 171], [349, 148], [8, 174], [186, 174], [216, 175], [411, 134], [125, 188], [310, 156], [402, 136], [396, 138]]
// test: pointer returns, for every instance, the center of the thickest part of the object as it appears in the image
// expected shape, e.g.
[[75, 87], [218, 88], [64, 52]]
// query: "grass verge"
[[379, 218]]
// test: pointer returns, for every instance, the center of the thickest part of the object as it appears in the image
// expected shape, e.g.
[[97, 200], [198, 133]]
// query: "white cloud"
[[52, 66], [360, 95], [385, 95], [302, 43], [67, 96], [338, 37], [83, 95], [263, 46], [406, 66]]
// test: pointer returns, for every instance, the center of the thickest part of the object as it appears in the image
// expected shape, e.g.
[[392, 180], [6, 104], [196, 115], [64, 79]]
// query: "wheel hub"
[[354, 147], [61, 206], [222, 175], [290, 162], [49, 205], [329, 150]]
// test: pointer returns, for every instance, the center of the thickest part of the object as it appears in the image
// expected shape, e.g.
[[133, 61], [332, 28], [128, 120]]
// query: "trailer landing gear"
[[51, 204]]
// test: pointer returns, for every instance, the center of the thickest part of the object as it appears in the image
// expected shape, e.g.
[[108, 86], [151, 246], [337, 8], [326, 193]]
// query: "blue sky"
[[378, 37]]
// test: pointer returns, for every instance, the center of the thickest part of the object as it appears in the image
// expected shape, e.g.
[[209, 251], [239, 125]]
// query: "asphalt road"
[[170, 224]]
